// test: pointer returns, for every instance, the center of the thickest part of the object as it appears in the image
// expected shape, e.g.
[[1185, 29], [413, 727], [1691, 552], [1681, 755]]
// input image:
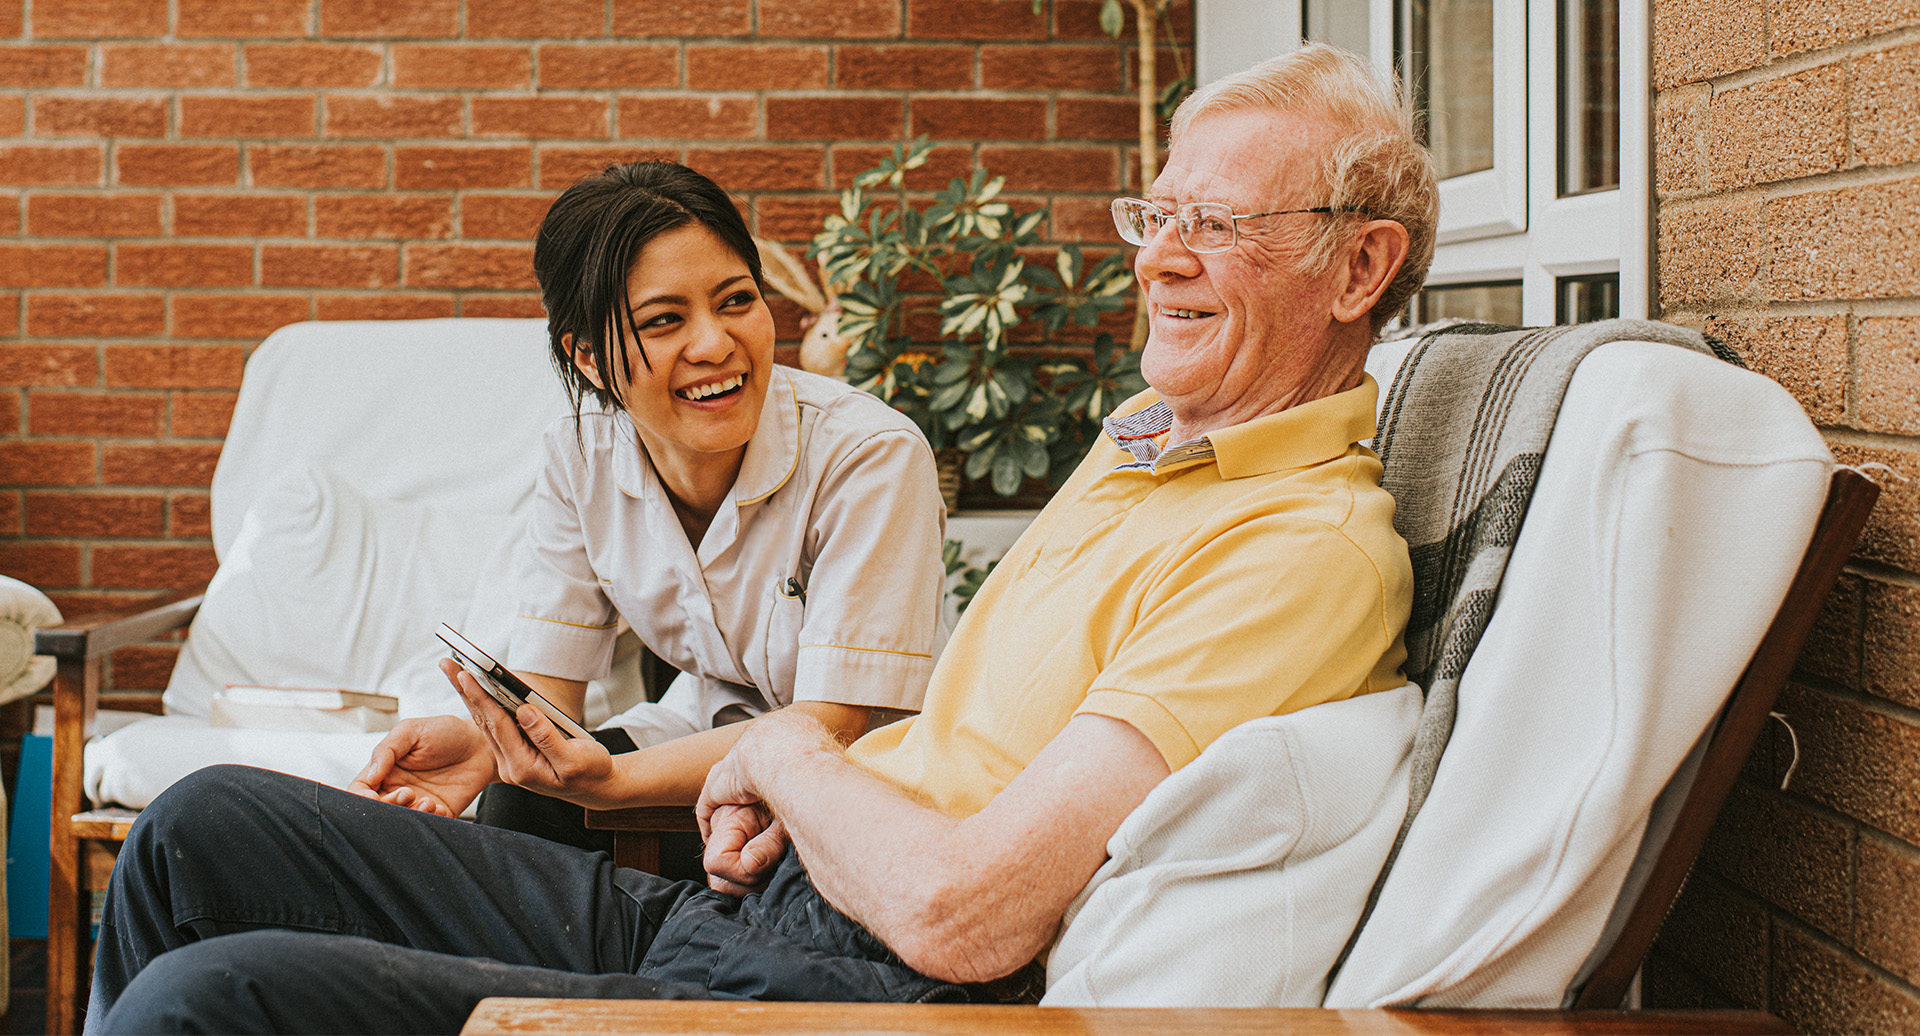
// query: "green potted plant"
[[997, 393]]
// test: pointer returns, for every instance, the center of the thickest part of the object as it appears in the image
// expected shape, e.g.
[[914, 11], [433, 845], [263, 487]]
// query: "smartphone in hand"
[[504, 687]]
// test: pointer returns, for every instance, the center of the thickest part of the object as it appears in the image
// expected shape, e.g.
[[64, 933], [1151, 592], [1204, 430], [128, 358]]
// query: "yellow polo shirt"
[[1251, 573]]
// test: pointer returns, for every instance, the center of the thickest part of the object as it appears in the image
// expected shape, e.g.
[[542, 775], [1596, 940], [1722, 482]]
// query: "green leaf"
[[1033, 459], [1006, 473], [978, 462], [1112, 18]]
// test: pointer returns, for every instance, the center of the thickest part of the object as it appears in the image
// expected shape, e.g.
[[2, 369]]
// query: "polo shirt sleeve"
[[1269, 617], [871, 623], [565, 625]]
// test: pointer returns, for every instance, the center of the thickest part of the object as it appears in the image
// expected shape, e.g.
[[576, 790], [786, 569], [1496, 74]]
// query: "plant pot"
[[949, 463]]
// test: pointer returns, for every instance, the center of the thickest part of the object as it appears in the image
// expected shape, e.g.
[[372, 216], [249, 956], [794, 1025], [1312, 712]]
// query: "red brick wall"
[[1787, 164], [180, 177]]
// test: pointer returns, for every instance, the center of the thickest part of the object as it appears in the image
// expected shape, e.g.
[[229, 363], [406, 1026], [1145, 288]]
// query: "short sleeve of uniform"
[[565, 625], [872, 612], [1269, 617]]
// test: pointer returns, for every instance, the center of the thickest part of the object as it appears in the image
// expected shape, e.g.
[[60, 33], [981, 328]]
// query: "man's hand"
[[744, 839], [744, 844], [530, 752], [435, 764]]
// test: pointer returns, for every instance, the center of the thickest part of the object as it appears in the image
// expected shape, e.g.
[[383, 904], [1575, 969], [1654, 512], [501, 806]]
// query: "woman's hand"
[[530, 752], [435, 764]]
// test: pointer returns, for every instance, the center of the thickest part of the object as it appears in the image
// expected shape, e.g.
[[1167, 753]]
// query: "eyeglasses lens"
[[1203, 226]]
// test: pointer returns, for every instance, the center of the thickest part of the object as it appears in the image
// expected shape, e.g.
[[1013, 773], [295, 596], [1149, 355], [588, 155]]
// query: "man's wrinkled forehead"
[[1246, 155]]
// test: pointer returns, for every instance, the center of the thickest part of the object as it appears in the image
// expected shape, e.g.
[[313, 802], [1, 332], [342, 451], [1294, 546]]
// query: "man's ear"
[[583, 361], [1373, 258]]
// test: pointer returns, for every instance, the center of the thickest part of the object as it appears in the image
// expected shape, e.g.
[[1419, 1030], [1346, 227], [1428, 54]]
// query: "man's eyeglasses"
[[1205, 226]]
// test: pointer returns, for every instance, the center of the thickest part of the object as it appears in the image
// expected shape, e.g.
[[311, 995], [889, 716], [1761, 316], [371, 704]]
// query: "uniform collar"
[[1296, 437], [769, 461]]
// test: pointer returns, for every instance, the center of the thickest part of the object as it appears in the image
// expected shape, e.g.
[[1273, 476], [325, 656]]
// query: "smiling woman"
[[772, 534]]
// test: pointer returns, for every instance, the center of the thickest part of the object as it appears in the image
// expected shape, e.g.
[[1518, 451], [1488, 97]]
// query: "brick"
[[93, 215], [1863, 763], [1167, 65], [1700, 39], [1080, 20], [462, 168], [317, 165], [13, 116], [625, 66], [1807, 355], [247, 19], [47, 463], [508, 267], [384, 305], [312, 64], [383, 216], [177, 165], [44, 66], [184, 265], [1891, 645], [535, 18], [762, 168], [710, 117], [903, 67], [142, 666], [168, 64], [133, 566], [514, 216], [98, 19], [1892, 535], [968, 118], [1802, 26], [235, 316], [9, 314], [189, 516], [1779, 129], [834, 118], [387, 117], [675, 17], [66, 365], [10, 425], [446, 66], [68, 116], [10, 511], [166, 465], [943, 164], [1709, 251], [1832, 650], [1885, 116], [231, 215], [52, 165], [561, 166], [542, 117], [841, 20], [1051, 67], [1853, 243], [249, 117], [1721, 935], [509, 307], [383, 19], [792, 219], [109, 515], [12, 18], [1888, 351], [329, 266], [1784, 854], [202, 415], [756, 67], [1097, 118], [52, 266], [1889, 887], [1679, 139], [95, 316], [174, 366], [1818, 989], [1054, 168], [974, 20], [42, 564]]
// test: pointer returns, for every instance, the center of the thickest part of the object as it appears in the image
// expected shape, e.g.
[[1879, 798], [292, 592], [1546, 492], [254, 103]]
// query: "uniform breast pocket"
[[786, 614]]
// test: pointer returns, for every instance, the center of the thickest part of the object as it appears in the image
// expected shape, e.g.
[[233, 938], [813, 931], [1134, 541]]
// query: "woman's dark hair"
[[587, 246]]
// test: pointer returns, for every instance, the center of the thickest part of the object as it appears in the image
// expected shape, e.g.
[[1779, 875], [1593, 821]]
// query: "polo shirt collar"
[[1296, 437]]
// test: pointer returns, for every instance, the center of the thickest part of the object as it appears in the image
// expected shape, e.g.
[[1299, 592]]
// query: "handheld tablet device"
[[504, 687]]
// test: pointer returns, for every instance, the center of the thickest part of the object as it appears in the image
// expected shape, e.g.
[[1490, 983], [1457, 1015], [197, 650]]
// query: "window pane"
[[1342, 23], [1589, 95], [1450, 70], [1493, 303], [1581, 299]]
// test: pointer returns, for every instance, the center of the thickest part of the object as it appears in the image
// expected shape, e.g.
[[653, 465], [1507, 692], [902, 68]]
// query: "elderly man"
[[1228, 554]]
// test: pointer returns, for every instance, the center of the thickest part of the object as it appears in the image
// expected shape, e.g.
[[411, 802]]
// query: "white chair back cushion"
[[1676, 499], [1238, 879]]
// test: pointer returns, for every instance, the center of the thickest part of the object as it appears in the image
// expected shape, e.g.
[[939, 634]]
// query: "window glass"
[[1342, 23], [1449, 53], [1581, 299], [1494, 302], [1589, 95]]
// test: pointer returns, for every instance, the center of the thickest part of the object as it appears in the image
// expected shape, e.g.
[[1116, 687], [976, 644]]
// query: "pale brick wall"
[[180, 177], [1787, 165]]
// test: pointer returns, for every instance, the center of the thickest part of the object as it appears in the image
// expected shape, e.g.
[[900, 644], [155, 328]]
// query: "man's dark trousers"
[[250, 901]]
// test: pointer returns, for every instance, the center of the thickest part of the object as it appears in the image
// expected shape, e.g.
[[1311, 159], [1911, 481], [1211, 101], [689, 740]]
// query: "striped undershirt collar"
[[1136, 432]]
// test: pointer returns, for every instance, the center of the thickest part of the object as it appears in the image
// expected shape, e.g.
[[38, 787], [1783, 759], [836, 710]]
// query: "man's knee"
[[211, 798], [218, 985]]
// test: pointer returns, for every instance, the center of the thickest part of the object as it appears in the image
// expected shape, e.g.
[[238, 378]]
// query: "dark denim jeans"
[[249, 901]]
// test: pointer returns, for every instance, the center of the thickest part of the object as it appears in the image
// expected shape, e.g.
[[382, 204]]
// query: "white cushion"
[[1230, 884], [23, 609], [1676, 499]]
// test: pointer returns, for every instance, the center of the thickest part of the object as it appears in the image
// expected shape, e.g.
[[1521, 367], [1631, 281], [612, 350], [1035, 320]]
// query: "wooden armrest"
[[93, 635], [497, 1016], [643, 818]]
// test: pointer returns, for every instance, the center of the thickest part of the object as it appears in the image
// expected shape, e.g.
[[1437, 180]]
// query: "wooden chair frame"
[[80, 646]]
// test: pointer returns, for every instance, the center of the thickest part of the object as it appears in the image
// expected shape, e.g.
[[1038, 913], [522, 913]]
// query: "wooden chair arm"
[[643, 818], [96, 634], [497, 1016]]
